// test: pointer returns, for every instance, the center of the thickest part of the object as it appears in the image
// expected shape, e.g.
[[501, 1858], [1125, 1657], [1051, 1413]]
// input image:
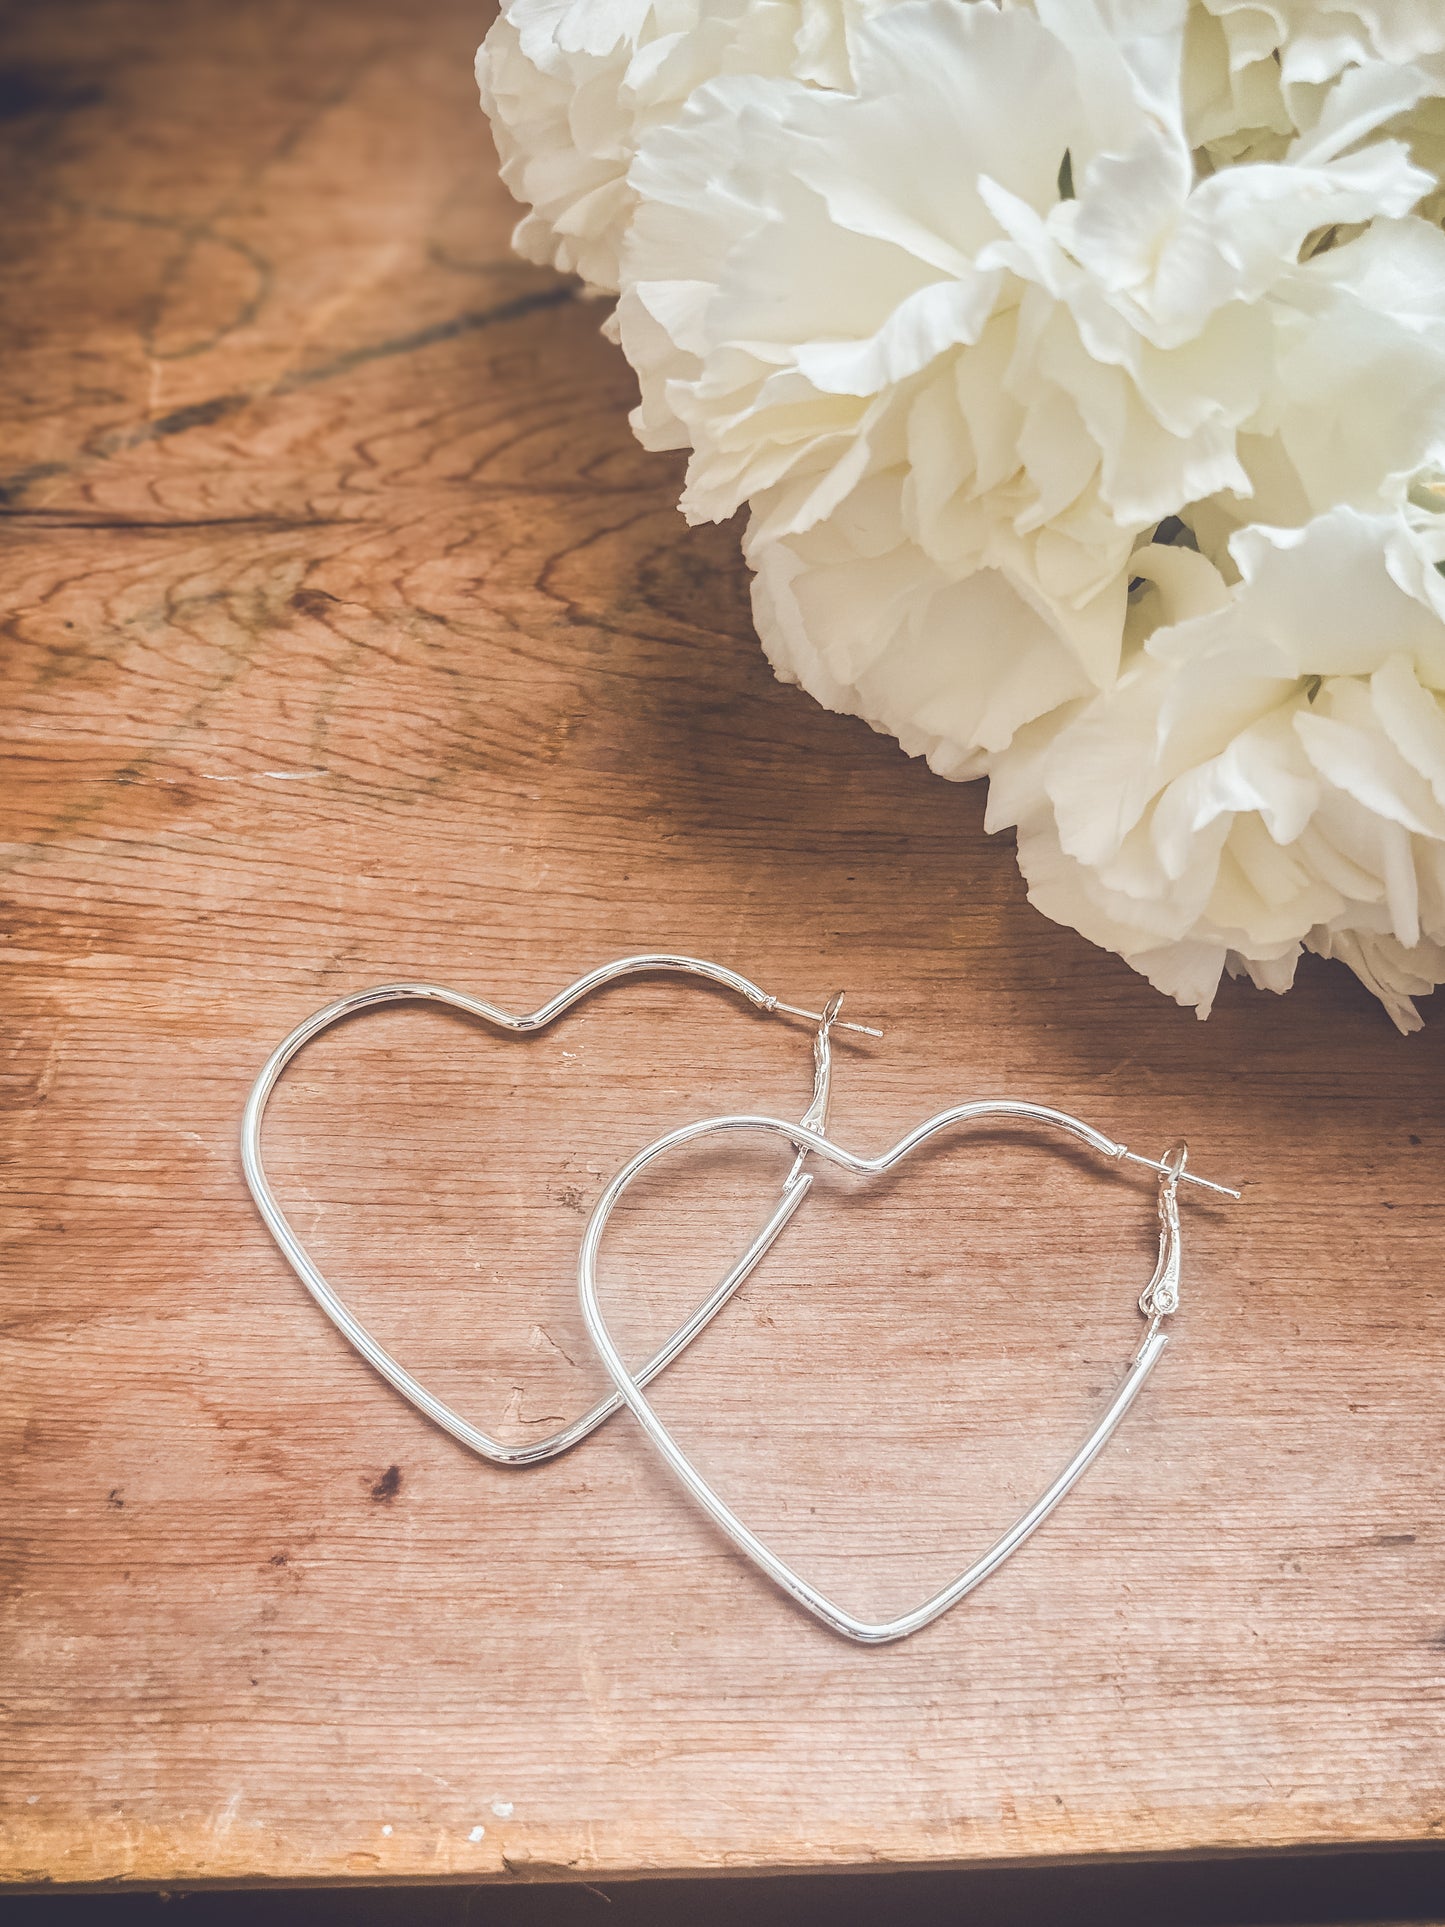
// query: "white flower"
[[1268, 775], [1053, 328], [870, 625], [1257, 74], [1313, 41], [1234, 101], [570, 86], [1069, 356], [1423, 131]]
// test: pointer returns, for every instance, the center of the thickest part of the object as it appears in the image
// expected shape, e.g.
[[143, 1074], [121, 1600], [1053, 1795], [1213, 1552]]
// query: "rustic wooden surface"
[[349, 636]]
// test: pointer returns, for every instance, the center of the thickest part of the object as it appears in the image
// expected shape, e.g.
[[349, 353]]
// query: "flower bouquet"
[[1081, 365]]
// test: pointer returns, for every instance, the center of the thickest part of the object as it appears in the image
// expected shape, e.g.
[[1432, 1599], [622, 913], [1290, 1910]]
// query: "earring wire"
[[795, 1187], [1159, 1299], [823, 1017], [1178, 1174]]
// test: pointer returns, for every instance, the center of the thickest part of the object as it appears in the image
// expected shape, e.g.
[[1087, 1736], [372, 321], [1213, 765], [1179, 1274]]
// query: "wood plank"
[[349, 636]]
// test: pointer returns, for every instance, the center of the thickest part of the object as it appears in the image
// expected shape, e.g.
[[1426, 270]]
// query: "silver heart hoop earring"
[[1158, 1300], [795, 1187]]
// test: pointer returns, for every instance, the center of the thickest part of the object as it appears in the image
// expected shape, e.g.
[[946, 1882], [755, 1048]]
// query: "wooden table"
[[349, 636]]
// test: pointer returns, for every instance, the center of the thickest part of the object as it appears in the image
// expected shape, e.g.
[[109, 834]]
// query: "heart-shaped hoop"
[[795, 1187], [1159, 1298]]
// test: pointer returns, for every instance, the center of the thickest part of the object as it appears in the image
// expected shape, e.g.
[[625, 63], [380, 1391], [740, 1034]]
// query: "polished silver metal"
[[1159, 1299], [795, 1187]]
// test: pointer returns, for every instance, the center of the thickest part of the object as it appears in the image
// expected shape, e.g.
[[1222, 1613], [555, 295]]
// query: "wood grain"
[[348, 635]]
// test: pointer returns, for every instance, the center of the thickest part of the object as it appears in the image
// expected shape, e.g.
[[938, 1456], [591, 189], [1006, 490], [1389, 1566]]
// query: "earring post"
[[818, 1017], [1184, 1177]]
